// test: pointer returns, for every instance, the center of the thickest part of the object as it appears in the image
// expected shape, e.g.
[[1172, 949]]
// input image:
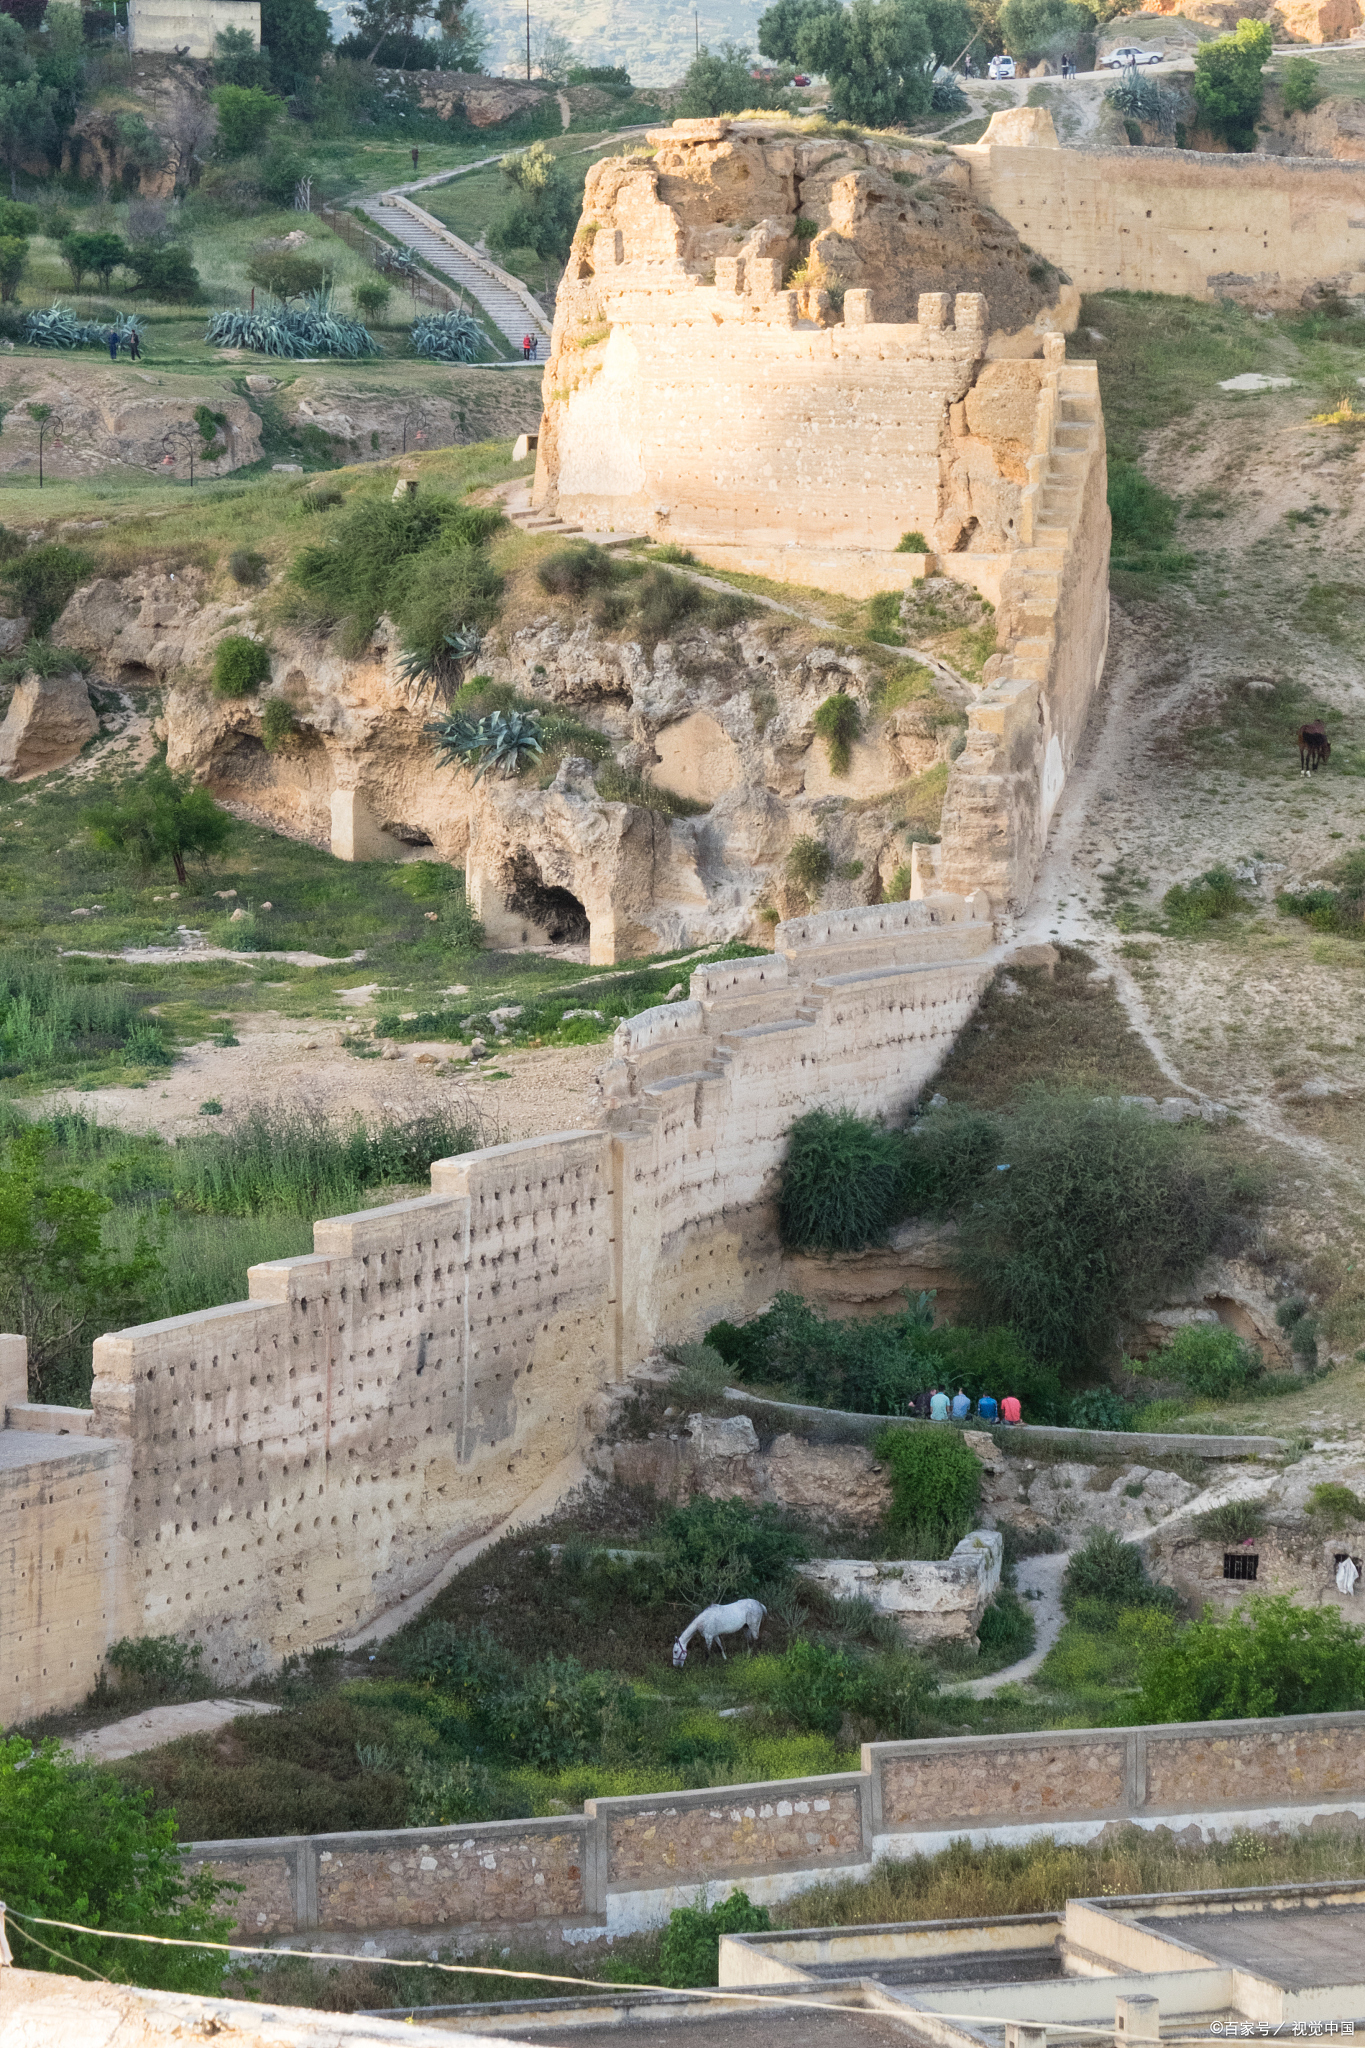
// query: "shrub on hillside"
[[1098, 1408], [42, 579], [1300, 85], [838, 722], [1102, 1210], [77, 1845], [719, 1550], [240, 665], [1210, 1360], [842, 1183], [1269, 1657], [935, 1485], [1106, 1575]]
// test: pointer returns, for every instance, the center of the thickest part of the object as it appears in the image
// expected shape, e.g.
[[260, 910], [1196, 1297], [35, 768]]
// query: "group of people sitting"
[[935, 1406]]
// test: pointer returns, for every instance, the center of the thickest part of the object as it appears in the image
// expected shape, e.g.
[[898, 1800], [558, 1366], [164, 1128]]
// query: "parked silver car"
[[1119, 60]]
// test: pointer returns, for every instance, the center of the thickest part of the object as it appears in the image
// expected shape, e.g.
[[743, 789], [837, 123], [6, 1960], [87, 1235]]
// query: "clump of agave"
[[59, 327], [309, 329], [505, 740], [447, 337], [441, 671]]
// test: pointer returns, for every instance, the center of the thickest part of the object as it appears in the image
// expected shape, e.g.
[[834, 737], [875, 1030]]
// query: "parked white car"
[[1001, 67], [1118, 60]]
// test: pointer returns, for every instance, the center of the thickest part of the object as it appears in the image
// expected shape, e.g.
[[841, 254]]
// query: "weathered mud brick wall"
[[302, 1461], [857, 1007], [272, 1475], [62, 1503], [1256, 227]]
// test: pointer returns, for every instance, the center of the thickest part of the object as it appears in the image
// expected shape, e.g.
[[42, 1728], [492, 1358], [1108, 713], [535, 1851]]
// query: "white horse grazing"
[[714, 1622]]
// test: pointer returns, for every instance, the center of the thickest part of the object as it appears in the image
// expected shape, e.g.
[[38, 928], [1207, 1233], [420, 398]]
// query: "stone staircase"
[[510, 313], [520, 511]]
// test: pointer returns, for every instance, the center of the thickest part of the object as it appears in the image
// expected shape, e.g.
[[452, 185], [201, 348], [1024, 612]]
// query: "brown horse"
[[1314, 747]]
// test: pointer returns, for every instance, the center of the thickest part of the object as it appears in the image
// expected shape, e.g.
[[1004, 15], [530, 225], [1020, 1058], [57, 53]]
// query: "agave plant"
[[505, 740], [59, 327], [438, 671], [447, 337], [310, 329]]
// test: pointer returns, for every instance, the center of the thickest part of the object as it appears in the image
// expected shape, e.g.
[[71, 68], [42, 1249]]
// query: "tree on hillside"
[[75, 1844], [13, 261], [297, 34], [543, 211], [246, 115], [188, 123], [377, 20], [61, 58], [780, 27], [158, 816], [878, 58], [1041, 28], [27, 106], [237, 61], [100, 252], [57, 1280], [1228, 86], [721, 85]]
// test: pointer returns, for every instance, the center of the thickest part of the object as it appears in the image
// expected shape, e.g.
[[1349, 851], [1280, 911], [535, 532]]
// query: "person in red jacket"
[[1010, 1411]]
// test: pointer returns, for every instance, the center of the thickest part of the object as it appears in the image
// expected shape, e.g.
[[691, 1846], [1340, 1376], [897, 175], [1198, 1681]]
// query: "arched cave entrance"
[[559, 913]]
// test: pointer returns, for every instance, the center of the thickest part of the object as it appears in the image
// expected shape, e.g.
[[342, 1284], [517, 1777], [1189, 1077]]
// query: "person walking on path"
[[112, 339], [414, 163], [134, 345], [526, 348]]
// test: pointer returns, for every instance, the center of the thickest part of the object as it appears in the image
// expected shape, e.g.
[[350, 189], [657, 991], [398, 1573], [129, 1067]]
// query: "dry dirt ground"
[[286, 1061]]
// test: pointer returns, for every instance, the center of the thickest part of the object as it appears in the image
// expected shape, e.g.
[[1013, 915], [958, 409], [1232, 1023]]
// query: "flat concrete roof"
[[1298, 1947], [804, 2029]]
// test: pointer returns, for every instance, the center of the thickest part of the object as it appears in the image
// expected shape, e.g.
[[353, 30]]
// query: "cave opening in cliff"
[[557, 911]]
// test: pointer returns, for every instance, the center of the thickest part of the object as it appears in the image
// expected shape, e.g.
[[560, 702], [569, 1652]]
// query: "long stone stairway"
[[512, 311]]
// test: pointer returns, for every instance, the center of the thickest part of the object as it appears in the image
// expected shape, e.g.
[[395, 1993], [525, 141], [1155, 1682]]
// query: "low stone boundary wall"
[[843, 1426], [623, 1864]]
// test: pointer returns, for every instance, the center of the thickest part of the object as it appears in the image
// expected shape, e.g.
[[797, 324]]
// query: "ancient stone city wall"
[[624, 1863], [1178, 221], [268, 1476]]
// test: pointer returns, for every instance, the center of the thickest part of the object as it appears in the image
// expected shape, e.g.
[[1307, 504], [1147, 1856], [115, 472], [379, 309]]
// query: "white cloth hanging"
[[1347, 1576]]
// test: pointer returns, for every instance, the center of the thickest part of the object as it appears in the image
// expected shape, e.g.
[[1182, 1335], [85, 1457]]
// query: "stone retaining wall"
[[624, 1863]]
